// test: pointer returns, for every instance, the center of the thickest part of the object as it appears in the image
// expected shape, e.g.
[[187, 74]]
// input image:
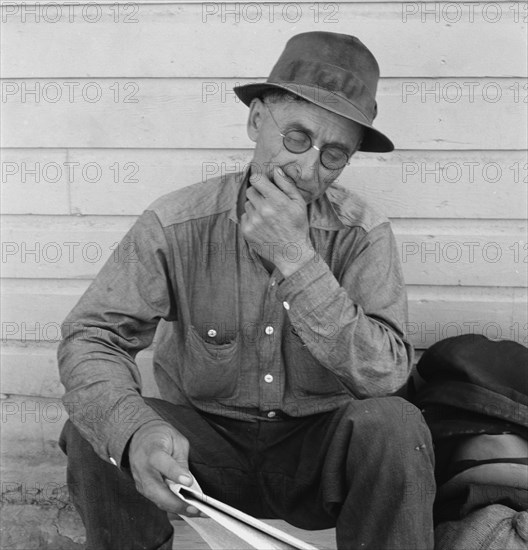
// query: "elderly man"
[[279, 302]]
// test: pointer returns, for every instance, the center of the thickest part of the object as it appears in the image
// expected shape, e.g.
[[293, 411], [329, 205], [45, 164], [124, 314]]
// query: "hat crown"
[[333, 53]]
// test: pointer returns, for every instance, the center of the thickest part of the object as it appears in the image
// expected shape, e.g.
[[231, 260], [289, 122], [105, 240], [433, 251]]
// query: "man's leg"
[[367, 468], [117, 517], [382, 450]]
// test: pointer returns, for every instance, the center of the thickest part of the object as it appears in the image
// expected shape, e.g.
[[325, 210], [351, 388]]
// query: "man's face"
[[305, 169]]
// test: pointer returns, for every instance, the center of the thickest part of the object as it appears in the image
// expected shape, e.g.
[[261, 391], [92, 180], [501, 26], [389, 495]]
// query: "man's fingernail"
[[280, 170], [185, 480]]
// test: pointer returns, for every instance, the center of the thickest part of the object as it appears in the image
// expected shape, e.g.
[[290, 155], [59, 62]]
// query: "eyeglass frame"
[[311, 146]]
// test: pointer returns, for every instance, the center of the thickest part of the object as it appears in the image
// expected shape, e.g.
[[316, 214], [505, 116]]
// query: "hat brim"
[[373, 140]]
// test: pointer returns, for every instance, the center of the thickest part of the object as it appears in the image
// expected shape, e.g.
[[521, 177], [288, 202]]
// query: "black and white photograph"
[[264, 277]]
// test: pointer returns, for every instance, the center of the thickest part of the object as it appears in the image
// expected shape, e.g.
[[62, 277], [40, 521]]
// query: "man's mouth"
[[291, 173], [286, 176], [307, 195]]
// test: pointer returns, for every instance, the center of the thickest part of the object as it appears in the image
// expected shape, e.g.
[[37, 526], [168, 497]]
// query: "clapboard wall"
[[107, 105]]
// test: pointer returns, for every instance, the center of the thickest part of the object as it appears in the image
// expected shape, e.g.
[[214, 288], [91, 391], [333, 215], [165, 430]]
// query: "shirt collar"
[[321, 212]]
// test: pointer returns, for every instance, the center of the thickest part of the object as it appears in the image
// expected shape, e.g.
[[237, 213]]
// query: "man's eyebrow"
[[294, 125]]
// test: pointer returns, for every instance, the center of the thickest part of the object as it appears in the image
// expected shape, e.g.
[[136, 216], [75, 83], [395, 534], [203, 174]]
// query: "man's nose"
[[308, 165]]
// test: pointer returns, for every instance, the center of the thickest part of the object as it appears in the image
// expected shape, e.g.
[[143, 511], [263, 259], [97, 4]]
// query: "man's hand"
[[158, 451], [275, 222]]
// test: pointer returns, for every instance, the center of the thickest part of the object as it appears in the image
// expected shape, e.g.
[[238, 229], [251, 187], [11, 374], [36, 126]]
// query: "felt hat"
[[473, 385], [334, 71]]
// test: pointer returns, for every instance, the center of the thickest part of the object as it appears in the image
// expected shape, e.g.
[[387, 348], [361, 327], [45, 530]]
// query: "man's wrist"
[[125, 457], [297, 257]]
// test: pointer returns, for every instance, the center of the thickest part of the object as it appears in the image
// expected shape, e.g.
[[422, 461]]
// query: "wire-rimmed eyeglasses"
[[297, 141]]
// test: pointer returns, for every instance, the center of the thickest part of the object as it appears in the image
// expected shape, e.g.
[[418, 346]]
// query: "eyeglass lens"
[[298, 142]]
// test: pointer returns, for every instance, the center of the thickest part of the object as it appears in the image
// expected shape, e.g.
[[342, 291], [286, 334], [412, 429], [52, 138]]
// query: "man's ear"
[[255, 118]]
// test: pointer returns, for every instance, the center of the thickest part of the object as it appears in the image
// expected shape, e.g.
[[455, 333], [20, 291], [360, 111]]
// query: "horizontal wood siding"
[[109, 105]]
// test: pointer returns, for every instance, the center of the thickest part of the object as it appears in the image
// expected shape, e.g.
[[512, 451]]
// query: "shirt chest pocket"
[[211, 370]]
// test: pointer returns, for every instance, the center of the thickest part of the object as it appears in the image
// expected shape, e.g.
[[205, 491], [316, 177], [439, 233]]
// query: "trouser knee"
[[388, 417], [391, 426], [410, 415]]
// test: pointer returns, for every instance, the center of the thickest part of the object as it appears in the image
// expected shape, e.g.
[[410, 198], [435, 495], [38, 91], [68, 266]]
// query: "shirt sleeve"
[[354, 326], [115, 319]]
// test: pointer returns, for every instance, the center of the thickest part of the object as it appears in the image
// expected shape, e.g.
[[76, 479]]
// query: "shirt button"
[[268, 378], [269, 330], [113, 461], [272, 414], [211, 333], [286, 305]]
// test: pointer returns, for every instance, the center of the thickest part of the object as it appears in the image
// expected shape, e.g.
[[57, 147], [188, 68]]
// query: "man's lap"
[[298, 469], [292, 468], [260, 467]]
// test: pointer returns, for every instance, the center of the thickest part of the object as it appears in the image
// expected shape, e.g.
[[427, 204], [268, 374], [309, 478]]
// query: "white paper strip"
[[236, 527]]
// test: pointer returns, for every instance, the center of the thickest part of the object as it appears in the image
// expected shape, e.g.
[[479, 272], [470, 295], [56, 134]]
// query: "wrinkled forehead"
[[316, 119]]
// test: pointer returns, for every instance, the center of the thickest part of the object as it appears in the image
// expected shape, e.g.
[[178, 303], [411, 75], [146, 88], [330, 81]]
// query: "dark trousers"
[[366, 468]]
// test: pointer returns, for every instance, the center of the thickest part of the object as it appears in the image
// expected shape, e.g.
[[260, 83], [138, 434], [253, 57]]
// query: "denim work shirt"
[[232, 338]]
